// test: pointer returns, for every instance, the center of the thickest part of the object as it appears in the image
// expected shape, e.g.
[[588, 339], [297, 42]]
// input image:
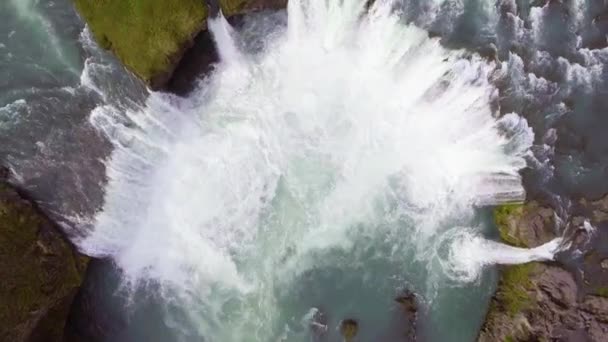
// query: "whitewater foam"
[[469, 253]]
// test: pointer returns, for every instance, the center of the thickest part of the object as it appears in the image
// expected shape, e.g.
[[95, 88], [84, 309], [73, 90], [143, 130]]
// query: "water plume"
[[469, 254]]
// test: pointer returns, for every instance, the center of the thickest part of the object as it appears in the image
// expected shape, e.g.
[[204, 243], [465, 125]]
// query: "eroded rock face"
[[40, 271], [561, 301]]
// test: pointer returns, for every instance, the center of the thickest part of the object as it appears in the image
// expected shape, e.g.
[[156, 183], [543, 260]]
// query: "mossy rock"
[[40, 272], [149, 36], [514, 292], [602, 291], [527, 293], [507, 218], [524, 225], [512, 295]]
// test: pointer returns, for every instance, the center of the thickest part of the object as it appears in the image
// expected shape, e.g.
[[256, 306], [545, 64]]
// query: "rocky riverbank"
[[562, 301], [41, 271]]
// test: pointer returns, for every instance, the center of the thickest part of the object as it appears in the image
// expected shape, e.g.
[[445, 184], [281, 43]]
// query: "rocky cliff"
[[561, 301]]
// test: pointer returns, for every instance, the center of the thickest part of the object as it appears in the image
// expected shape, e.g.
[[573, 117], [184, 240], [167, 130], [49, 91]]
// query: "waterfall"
[[468, 253], [347, 128]]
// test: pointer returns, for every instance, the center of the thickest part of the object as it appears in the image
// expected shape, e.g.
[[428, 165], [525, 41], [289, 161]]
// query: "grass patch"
[[513, 288], [146, 35], [512, 293], [506, 218]]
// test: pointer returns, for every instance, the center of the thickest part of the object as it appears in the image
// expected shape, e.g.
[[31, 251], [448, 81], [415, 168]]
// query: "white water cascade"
[[468, 253], [349, 128]]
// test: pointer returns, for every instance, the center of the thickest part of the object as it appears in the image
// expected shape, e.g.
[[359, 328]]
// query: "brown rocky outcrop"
[[561, 301]]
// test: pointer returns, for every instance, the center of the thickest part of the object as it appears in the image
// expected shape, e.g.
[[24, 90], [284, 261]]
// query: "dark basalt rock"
[[198, 58], [197, 61], [96, 315], [410, 303]]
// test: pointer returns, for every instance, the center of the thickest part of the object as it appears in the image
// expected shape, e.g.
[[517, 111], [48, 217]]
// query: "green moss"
[[147, 34], [512, 293], [509, 338], [38, 267], [513, 288], [506, 217], [602, 291]]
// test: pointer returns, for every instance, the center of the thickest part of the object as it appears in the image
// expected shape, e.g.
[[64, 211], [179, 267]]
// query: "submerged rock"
[[545, 302], [40, 271], [409, 302], [349, 329], [318, 324]]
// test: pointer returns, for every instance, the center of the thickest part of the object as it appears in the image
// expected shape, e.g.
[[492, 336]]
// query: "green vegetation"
[[602, 291], [147, 35], [506, 218], [513, 288], [39, 270], [512, 294]]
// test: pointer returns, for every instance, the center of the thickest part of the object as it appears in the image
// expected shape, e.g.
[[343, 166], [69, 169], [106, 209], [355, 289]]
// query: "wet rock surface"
[[349, 329], [561, 301], [96, 314], [198, 59], [318, 326], [410, 304], [40, 271]]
